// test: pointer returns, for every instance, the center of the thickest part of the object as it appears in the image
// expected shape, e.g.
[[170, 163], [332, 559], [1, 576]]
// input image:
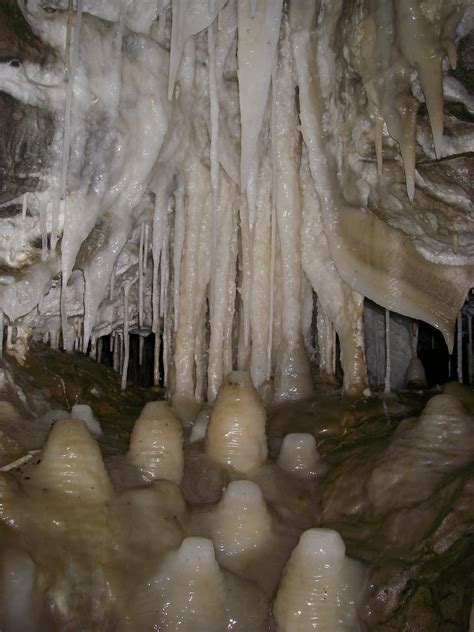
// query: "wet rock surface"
[[398, 489], [26, 132]]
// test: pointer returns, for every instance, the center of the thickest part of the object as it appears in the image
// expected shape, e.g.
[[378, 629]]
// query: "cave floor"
[[419, 557]]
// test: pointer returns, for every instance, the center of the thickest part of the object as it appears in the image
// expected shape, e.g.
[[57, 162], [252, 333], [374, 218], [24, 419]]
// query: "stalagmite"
[[242, 526], [236, 433], [19, 603], [71, 464], [190, 592], [299, 456], [320, 588], [415, 374], [422, 454], [156, 443], [85, 414]]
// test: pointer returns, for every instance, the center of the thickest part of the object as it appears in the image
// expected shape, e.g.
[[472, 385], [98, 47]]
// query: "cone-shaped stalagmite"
[[156, 443], [236, 433]]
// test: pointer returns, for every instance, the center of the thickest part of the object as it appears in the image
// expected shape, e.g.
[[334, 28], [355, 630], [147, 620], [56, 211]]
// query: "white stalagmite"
[[188, 591], [84, 413], [156, 443], [299, 455], [71, 464], [320, 587], [242, 525], [422, 454], [236, 432]]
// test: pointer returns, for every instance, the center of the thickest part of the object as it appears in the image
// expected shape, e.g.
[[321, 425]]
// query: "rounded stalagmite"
[[242, 526], [319, 586], [415, 376], [71, 463], [186, 594], [156, 443], [299, 455], [236, 432]]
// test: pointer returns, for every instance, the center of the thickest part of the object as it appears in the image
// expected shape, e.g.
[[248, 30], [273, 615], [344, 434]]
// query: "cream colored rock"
[[422, 454], [236, 432], [186, 594], [84, 413], [71, 464], [299, 455], [242, 525], [199, 427], [319, 588], [191, 593], [156, 443]]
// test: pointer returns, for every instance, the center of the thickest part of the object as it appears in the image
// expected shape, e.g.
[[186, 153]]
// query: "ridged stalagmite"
[[421, 454], [236, 432], [191, 593], [156, 443], [319, 586], [71, 464], [299, 455], [242, 525]]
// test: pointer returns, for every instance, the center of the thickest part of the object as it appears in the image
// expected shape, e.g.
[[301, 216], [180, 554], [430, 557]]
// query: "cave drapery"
[[218, 173]]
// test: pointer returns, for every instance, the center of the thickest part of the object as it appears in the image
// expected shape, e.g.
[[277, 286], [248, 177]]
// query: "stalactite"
[[72, 64], [388, 356], [141, 274], [470, 349], [179, 230], [126, 336], [116, 358], [213, 149], [2, 324], [459, 349], [415, 332]]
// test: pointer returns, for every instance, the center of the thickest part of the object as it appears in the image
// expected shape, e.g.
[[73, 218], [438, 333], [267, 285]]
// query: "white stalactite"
[[388, 353], [459, 348]]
